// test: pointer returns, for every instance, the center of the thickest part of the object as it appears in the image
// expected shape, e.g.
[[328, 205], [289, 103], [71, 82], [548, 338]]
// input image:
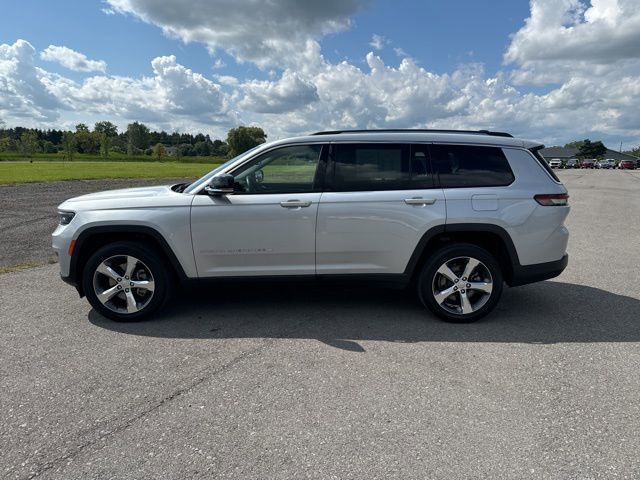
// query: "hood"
[[142, 197]]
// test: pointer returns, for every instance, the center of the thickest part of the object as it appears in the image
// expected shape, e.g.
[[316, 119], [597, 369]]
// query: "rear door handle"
[[295, 204], [419, 201]]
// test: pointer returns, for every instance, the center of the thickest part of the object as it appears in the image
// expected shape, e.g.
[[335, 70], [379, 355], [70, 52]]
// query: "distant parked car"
[[627, 165], [572, 163], [605, 164], [588, 163], [555, 163]]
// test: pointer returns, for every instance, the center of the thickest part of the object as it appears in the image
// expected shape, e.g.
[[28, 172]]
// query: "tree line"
[[138, 139]]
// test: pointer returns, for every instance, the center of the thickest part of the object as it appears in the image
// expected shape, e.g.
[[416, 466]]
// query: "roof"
[[466, 137], [562, 152]]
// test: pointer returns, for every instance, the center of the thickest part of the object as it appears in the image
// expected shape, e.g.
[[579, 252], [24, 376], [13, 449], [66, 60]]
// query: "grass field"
[[44, 171]]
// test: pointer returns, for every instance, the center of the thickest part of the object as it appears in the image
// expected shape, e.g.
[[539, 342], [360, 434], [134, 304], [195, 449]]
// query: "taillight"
[[552, 199]]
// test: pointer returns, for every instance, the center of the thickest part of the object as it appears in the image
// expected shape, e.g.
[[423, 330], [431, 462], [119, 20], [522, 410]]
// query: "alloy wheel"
[[123, 284], [462, 285]]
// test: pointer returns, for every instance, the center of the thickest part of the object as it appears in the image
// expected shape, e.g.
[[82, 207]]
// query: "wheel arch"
[[493, 238], [96, 237]]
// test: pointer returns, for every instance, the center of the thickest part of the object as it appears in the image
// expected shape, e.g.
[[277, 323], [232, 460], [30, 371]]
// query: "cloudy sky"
[[554, 70]]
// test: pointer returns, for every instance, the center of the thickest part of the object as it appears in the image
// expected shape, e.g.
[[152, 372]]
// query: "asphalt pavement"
[[304, 381], [29, 215]]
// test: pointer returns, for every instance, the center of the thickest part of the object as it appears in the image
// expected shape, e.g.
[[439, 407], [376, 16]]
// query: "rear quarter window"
[[543, 163], [459, 166]]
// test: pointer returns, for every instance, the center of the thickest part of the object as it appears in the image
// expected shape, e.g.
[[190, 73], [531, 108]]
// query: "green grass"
[[113, 157], [18, 268], [38, 171]]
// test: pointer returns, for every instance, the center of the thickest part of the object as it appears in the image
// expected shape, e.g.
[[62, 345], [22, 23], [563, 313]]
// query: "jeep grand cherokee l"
[[455, 214]]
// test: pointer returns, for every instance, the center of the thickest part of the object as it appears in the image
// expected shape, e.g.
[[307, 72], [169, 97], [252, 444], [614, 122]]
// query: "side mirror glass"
[[220, 185]]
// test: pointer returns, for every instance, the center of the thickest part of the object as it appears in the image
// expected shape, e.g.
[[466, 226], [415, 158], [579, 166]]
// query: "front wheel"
[[461, 283], [125, 281]]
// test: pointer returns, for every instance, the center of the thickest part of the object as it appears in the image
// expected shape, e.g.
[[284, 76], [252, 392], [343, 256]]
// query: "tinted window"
[[365, 167], [421, 175], [284, 170], [470, 166]]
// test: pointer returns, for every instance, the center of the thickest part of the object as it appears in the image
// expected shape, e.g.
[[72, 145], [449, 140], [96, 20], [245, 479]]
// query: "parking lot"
[[303, 381]]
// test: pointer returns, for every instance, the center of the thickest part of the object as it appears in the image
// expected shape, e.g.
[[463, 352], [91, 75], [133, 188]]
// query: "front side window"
[[470, 166], [284, 170]]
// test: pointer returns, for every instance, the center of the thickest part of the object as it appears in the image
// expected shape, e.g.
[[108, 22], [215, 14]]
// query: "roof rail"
[[417, 130]]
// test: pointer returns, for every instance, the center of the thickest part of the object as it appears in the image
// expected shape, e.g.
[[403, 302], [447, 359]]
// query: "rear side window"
[[363, 166], [470, 166], [371, 166]]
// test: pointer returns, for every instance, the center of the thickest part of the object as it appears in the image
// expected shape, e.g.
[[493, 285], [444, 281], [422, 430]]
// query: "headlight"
[[65, 217]]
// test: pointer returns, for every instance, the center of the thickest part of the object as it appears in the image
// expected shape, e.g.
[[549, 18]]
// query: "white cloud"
[[265, 33], [591, 93], [174, 93], [378, 42], [227, 80], [72, 60], [289, 93], [25, 89], [565, 37]]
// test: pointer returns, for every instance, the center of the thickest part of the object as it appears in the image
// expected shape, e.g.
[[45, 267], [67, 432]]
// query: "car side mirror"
[[220, 185]]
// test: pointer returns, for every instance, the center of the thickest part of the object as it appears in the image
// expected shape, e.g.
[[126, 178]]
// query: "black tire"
[[454, 255], [149, 260]]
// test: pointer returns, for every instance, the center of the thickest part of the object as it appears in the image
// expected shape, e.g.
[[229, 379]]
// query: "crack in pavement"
[[201, 378]]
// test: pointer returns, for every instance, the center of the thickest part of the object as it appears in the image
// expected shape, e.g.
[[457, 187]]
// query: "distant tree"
[[634, 151], [49, 147], [202, 148], [82, 127], [576, 144], [241, 139], [137, 137], [28, 143], [159, 151], [106, 128], [68, 145], [87, 142], [186, 150], [219, 148], [590, 149], [105, 144], [7, 145]]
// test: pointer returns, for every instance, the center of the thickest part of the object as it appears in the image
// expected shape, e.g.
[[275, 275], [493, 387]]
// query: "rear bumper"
[[524, 274]]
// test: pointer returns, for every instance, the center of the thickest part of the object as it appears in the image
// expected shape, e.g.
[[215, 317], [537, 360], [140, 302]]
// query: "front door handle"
[[419, 201], [295, 204]]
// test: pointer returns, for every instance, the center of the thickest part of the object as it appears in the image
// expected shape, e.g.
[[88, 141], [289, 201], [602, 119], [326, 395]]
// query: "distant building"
[[171, 151], [565, 154]]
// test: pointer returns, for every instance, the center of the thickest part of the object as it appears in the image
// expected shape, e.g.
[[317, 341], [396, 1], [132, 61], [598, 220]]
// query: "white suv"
[[454, 213]]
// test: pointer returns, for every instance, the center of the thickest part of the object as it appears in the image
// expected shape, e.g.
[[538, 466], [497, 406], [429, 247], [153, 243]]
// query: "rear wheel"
[[125, 281], [461, 283]]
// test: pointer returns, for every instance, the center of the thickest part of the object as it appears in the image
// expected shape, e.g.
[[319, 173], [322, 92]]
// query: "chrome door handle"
[[295, 204], [419, 201]]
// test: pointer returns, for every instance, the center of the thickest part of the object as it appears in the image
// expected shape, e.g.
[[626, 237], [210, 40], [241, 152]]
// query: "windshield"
[[207, 178]]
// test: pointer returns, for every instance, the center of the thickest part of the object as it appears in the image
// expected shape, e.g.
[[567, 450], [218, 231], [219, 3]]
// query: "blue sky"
[[208, 65], [128, 44]]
